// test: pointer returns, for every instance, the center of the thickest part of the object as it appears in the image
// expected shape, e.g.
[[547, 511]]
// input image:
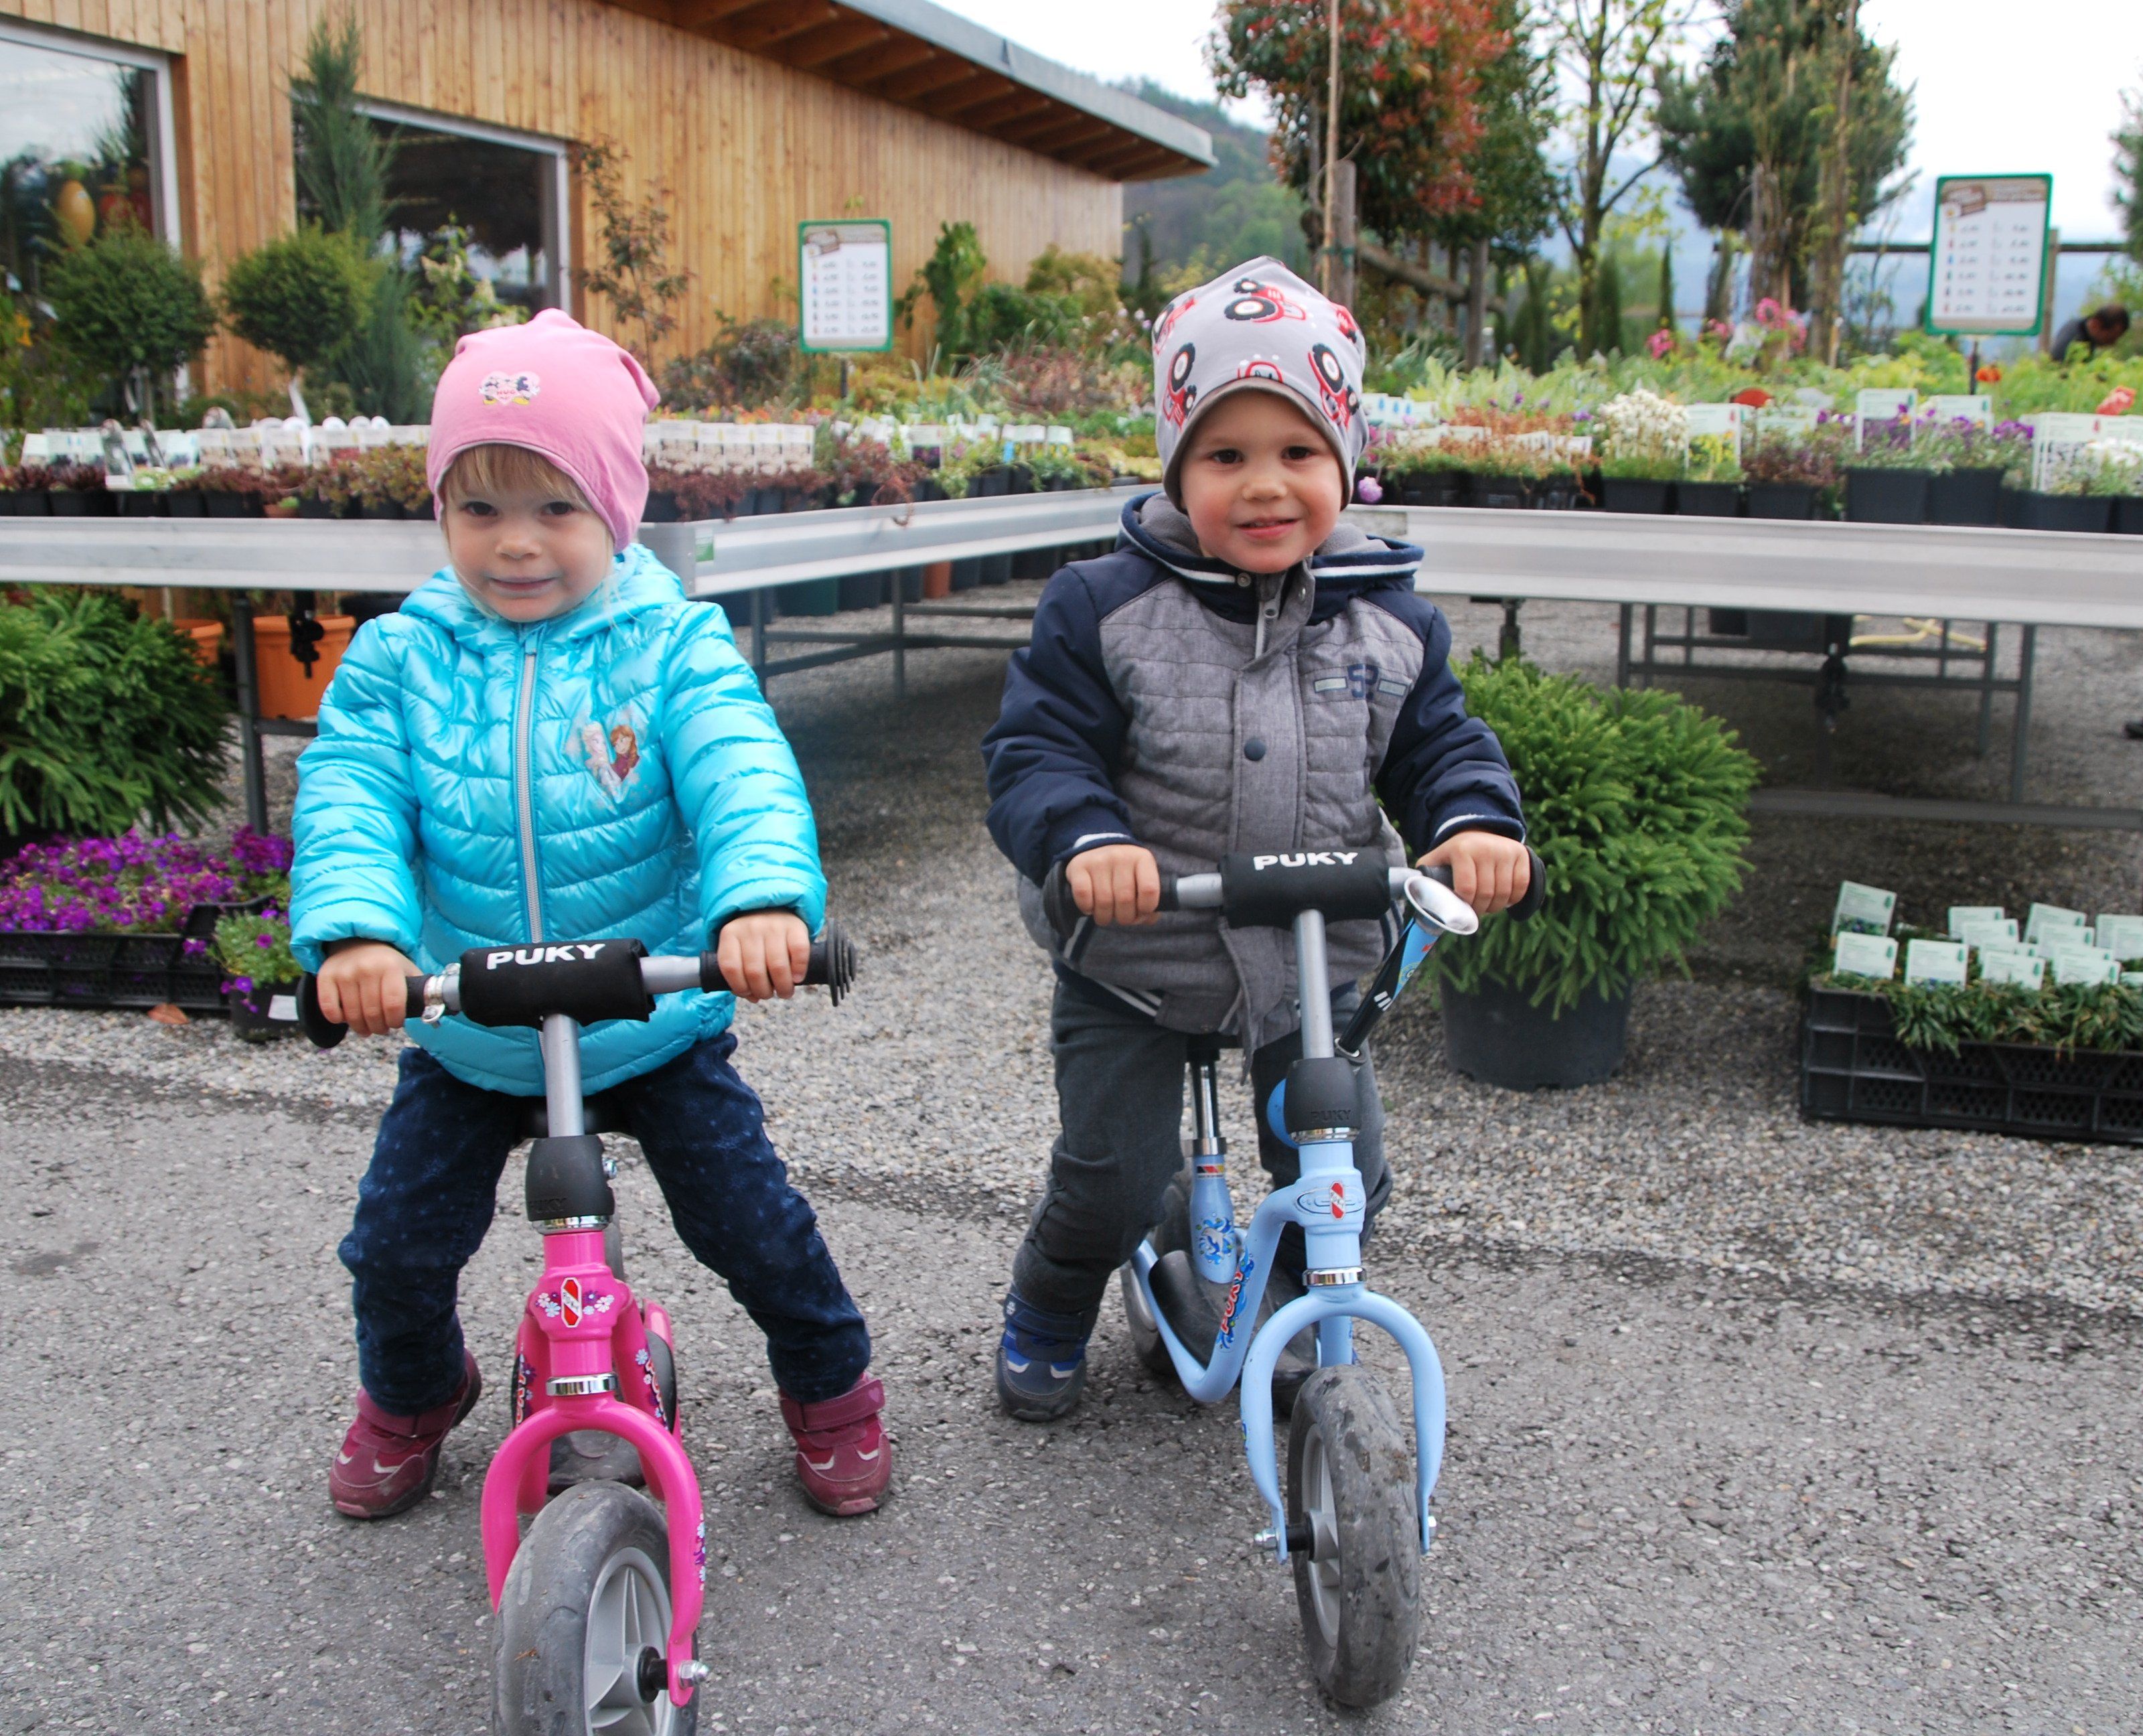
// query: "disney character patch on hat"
[[510, 389]]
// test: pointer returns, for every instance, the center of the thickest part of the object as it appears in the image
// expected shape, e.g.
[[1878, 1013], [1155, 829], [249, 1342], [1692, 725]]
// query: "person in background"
[[2101, 330]]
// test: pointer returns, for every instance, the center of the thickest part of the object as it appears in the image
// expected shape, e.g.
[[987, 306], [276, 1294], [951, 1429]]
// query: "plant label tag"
[[2122, 936], [1935, 960], [1865, 909], [1866, 955], [1960, 914], [2045, 918], [1985, 933], [2012, 967], [2131, 979], [2085, 967]]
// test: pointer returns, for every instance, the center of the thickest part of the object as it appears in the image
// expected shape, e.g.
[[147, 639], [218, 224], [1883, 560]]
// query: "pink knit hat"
[[557, 389]]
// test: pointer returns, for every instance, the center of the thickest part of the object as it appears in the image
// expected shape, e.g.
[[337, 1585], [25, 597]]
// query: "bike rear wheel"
[[584, 1626]]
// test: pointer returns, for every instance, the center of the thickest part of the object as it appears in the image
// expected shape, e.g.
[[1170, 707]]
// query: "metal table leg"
[[900, 633], [759, 636], [2019, 742], [1987, 690], [249, 711], [1622, 648]]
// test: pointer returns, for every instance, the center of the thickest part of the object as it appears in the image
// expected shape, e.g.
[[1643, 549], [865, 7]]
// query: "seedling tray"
[[99, 971], [1854, 1069]]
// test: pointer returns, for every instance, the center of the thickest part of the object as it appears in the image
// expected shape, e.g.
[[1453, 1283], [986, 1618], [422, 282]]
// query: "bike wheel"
[[584, 1626], [1350, 1486], [1171, 1233]]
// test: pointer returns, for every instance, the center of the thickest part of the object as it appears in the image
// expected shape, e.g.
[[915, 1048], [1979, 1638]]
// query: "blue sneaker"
[[1041, 1360]]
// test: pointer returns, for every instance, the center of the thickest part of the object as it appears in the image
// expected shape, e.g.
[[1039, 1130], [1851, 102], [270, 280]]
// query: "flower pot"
[[187, 503], [287, 688], [1637, 494], [1557, 494], [2037, 512], [2128, 515], [311, 506], [1886, 497], [206, 635], [995, 480], [662, 508], [69, 502], [1496, 1034], [810, 596], [230, 506], [33, 503], [7, 499], [863, 590], [937, 581], [1708, 500], [967, 573], [390, 509], [427, 509], [1508, 494], [1965, 496], [262, 1012], [1782, 500], [142, 503], [1430, 488]]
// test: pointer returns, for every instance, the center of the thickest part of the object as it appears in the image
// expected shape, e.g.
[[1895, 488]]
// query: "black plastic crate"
[[97, 971], [1853, 1068]]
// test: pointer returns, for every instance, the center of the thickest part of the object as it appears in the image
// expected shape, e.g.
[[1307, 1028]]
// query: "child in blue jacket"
[[1246, 672], [548, 742]]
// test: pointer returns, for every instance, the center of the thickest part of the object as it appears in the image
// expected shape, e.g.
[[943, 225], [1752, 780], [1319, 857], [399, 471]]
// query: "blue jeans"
[[426, 1202]]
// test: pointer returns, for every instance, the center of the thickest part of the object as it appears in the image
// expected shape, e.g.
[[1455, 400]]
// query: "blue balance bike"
[[1355, 1519]]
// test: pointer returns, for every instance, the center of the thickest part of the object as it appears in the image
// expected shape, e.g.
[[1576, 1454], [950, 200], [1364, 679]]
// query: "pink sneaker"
[[387, 1463], [842, 1456]]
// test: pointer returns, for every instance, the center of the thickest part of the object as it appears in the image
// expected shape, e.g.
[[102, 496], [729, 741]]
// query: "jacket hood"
[[1348, 559], [635, 583]]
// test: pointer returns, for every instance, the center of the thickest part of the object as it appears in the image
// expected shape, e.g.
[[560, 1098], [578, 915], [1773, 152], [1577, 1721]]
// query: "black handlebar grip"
[[1536, 885], [322, 1032], [1168, 893], [1058, 908], [832, 965]]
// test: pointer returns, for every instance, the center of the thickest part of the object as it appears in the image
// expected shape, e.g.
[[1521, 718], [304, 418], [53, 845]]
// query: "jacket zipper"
[[524, 801]]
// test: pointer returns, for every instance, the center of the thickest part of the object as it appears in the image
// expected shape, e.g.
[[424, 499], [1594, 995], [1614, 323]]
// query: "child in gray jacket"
[[1243, 673]]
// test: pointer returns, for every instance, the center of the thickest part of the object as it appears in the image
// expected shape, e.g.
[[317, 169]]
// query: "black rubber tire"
[[1358, 1588], [664, 1361], [539, 1661], [1171, 1233]]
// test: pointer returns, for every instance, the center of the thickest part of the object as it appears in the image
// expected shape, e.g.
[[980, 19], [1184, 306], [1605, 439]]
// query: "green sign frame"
[[804, 233], [2039, 308]]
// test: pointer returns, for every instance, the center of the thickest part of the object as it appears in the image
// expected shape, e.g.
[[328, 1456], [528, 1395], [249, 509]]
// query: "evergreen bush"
[[299, 296], [1635, 802], [127, 300], [105, 716]]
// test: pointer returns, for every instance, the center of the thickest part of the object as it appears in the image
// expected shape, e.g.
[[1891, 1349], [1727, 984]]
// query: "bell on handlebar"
[[1437, 904]]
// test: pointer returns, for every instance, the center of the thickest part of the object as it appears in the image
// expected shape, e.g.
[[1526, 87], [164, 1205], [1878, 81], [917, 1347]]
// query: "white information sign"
[[846, 272], [1987, 269]]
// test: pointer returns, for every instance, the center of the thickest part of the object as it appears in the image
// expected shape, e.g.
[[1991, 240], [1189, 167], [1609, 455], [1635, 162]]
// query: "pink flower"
[[1368, 490], [1661, 343]]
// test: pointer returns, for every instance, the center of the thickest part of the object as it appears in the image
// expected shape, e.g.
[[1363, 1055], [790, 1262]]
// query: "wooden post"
[[1476, 306], [2047, 288], [1344, 234]]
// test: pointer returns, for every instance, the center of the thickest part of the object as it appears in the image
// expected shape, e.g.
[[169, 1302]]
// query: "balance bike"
[[1355, 1519], [599, 1604]]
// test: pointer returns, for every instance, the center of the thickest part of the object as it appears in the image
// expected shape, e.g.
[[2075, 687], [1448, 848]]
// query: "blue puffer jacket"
[[611, 772]]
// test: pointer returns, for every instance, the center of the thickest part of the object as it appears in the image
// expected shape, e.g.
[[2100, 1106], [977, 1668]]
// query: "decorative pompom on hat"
[[559, 389], [1258, 328]]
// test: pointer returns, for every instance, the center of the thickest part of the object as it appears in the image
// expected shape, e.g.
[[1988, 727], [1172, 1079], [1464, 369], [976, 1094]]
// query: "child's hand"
[[1117, 883], [363, 985], [763, 953], [1489, 870]]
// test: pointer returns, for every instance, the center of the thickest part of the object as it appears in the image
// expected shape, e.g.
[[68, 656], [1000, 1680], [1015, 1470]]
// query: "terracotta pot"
[[206, 635], [287, 688], [937, 581]]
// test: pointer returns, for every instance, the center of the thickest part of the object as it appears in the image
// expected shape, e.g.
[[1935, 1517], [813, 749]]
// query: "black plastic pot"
[[311, 506], [2086, 512], [70, 503], [33, 503], [1886, 497], [2128, 515], [265, 1012], [142, 503], [862, 589], [1556, 494], [662, 508], [1429, 488], [1708, 500], [1508, 494], [221, 505], [1496, 1035], [1965, 496], [1782, 500], [1637, 494], [391, 509], [188, 503]]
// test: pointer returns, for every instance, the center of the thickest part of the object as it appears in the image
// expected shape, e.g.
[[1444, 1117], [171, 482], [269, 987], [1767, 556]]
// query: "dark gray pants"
[[1120, 1104]]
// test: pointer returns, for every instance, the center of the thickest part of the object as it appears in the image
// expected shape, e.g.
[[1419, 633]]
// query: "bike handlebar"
[[832, 966]]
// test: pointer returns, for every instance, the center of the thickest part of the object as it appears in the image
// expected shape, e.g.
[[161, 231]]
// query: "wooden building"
[[748, 116]]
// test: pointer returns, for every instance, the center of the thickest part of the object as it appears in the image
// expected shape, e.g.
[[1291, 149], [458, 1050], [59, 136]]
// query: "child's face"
[[527, 554], [1259, 485]]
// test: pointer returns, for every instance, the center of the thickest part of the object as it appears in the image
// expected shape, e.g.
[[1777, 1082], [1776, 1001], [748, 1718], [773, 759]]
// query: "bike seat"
[[603, 1114]]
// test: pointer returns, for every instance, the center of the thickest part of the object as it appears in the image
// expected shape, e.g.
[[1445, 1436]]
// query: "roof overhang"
[[923, 57]]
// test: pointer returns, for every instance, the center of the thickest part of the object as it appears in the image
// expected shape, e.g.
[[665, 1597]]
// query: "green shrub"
[[127, 300], [299, 296], [104, 716], [1636, 803]]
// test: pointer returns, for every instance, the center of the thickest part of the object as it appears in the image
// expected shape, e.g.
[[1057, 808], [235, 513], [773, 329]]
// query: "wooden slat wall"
[[746, 147]]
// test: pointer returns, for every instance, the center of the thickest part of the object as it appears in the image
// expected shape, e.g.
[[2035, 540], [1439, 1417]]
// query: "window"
[[506, 189], [83, 145]]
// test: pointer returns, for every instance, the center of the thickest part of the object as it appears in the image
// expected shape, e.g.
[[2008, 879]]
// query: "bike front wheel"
[[1350, 1487], [584, 1627]]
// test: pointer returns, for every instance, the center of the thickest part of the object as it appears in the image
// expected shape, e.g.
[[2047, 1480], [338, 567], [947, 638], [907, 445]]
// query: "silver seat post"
[[561, 1076], [1313, 986], [1206, 1140]]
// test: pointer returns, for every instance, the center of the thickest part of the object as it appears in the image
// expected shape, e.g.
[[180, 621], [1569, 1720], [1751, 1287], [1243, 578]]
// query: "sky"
[[2001, 88]]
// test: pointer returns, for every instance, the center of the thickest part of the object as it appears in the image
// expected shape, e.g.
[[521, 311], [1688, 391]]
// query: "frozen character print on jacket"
[[610, 759]]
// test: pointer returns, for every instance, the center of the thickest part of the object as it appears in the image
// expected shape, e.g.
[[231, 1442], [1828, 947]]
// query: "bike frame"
[[1328, 1201], [581, 1326]]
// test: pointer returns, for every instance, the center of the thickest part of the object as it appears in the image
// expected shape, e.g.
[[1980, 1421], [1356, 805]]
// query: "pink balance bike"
[[599, 1602]]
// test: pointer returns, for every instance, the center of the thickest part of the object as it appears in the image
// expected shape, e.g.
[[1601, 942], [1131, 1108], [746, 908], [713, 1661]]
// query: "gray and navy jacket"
[[1168, 700]]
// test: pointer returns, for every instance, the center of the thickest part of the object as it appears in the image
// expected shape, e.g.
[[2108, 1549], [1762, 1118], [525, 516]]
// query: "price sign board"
[[845, 270], [1987, 270]]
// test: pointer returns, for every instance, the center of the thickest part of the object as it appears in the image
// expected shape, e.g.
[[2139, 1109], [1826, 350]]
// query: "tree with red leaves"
[[1409, 87]]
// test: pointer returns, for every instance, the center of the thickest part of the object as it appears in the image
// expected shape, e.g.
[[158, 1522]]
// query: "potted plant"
[[1711, 487], [252, 949], [31, 484], [1968, 463], [1644, 442], [1506, 475], [1416, 471], [2078, 495], [2121, 479], [229, 491], [184, 494], [1886, 481], [129, 306], [77, 490], [1789, 476], [1635, 802]]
